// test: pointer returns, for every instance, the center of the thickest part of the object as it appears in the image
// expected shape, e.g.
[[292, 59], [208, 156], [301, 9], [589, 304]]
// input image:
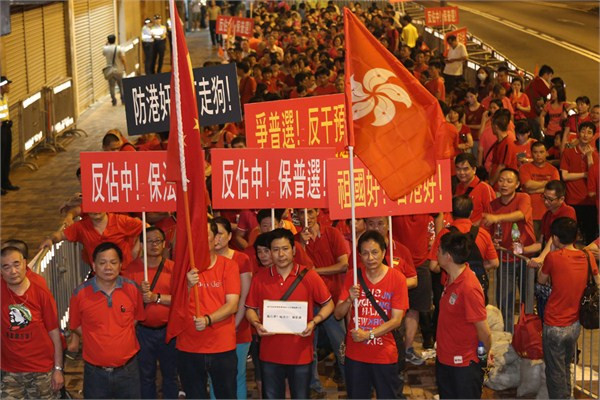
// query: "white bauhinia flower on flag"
[[378, 94]]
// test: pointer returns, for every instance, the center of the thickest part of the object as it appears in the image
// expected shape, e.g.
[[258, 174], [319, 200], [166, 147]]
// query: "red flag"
[[188, 166], [395, 119]]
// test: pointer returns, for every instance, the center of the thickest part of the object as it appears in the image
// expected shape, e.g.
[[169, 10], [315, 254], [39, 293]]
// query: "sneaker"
[[413, 358]]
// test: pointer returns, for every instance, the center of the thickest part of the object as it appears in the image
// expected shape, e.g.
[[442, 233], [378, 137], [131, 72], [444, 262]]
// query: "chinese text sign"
[[436, 16], [236, 26]]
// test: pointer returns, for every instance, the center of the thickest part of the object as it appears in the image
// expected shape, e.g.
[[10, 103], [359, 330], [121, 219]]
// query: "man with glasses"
[[151, 332]]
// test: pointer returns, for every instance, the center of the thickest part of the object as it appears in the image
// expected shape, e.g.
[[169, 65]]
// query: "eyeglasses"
[[154, 242], [549, 199]]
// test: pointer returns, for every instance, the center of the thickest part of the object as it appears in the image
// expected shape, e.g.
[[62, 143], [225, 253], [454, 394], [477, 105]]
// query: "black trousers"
[[275, 375], [587, 220], [148, 48], [362, 378], [5, 151], [159, 55], [459, 382], [194, 368]]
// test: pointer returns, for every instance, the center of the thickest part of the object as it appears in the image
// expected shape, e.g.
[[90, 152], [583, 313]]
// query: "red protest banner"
[[433, 195], [461, 37], [436, 16], [318, 121], [241, 26], [267, 178], [126, 182]]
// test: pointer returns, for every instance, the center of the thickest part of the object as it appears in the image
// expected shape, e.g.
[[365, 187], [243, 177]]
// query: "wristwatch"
[[371, 335], [58, 368]]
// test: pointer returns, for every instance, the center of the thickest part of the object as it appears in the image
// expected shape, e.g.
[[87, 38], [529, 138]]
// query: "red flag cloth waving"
[[190, 165], [394, 120]]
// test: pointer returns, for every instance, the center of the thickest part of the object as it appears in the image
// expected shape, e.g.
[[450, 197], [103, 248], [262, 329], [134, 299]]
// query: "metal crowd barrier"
[[64, 270], [586, 367]]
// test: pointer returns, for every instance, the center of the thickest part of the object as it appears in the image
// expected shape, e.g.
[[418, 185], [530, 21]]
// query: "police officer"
[[5, 136], [159, 33], [148, 46]]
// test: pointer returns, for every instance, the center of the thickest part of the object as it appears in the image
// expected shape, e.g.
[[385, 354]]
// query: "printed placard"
[[433, 195], [285, 316], [267, 178], [126, 182], [148, 99], [318, 121], [437, 16], [235, 26]]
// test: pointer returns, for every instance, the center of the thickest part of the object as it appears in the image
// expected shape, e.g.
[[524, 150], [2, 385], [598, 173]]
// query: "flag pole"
[[391, 246], [272, 219], [180, 141], [353, 216], [145, 244], [306, 217]]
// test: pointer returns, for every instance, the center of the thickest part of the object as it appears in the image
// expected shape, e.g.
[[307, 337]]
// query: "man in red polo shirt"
[[206, 347], [554, 202], [574, 166], [327, 248], [96, 228], [286, 356], [567, 267], [151, 332], [480, 192], [463, 316], [534, 177], [104, 311], [504, 155], [32, 359]]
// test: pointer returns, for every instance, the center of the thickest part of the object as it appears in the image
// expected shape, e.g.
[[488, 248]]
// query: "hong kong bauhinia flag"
[[185, 165], [394, 121]]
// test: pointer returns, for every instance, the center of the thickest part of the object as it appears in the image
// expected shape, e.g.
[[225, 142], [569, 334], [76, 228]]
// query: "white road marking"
[[568, 46]]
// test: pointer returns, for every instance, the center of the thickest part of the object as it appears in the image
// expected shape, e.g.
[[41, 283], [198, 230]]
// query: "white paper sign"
[[285, 316]]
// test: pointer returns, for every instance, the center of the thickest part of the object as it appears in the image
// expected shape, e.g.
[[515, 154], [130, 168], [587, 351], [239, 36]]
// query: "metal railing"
[[63, 269]]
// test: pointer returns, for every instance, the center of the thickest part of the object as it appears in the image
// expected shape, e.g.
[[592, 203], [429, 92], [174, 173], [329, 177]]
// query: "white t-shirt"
[[108, 53], [456, 68]]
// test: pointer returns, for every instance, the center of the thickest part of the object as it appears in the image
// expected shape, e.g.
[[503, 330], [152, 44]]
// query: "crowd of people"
[[525, 179]]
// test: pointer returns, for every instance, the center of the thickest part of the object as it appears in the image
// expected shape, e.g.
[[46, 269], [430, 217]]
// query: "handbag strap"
[[158, 271], [114, 56], [369, 296], [294, 284], [589, 277]]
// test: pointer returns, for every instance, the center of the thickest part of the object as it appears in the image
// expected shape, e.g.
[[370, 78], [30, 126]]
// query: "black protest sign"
[[148, 99]]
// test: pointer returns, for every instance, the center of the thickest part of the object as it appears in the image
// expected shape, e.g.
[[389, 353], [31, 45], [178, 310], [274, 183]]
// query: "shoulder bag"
[[589, 309]]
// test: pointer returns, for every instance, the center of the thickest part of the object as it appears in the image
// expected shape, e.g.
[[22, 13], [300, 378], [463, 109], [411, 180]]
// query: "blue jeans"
[[336, 333], [274, 376], [559, 349], [118, 383], [363, 377], [195, 368], [152, 349], [241, 351]]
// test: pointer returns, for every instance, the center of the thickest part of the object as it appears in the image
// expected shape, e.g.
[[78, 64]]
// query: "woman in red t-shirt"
[[371, 351], [519, 100], [465, 139], [556, 110]]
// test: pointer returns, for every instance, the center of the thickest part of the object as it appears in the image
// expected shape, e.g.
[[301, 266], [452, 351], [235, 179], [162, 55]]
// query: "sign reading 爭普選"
[[148, 98], [318, 121], [433, 195], [269, 178], [126, 182]]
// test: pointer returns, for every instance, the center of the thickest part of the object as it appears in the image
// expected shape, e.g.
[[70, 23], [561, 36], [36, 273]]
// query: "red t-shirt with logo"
[[482, 195], [107, 322], [221, 279], [157, 315], [568, 270], [461, 306], [530, 171], [564, 210], [268, 284], [390, 293], [26, 321], [573, 161]]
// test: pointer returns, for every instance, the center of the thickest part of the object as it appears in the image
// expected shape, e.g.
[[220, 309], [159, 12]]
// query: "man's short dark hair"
[[587, 124], [6, 250], [266, 213], [559, 188], [111, 39], [514, 171], [565, 229], [458, 245], [19, 244], [501, 119], [109, 139], [243, 66], [154, 229], [435, 64], [502, 68], [462, 206], [468, 157], [374, 236], [105, 246], [451, 38], [522, 127], [223, 221], [238, 139], [545, 69], [321, 71], [583, 99], [537, 144], [281, 233], [407, 18]]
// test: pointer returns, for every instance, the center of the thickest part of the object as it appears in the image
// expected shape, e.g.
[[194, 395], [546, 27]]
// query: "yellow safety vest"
[[4, 108]]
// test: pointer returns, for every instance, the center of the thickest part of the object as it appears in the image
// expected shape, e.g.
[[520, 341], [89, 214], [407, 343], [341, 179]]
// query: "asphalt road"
[[535, 33]]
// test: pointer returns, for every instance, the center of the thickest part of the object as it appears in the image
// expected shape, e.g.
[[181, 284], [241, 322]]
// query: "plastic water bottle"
[[481, 354], [515, 234]]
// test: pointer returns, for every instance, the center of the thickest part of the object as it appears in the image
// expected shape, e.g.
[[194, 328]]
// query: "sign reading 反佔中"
[[436, 16], [433, 195], [269, 178], [318, 121], [148, 98], [126, 182], [236, 26]]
